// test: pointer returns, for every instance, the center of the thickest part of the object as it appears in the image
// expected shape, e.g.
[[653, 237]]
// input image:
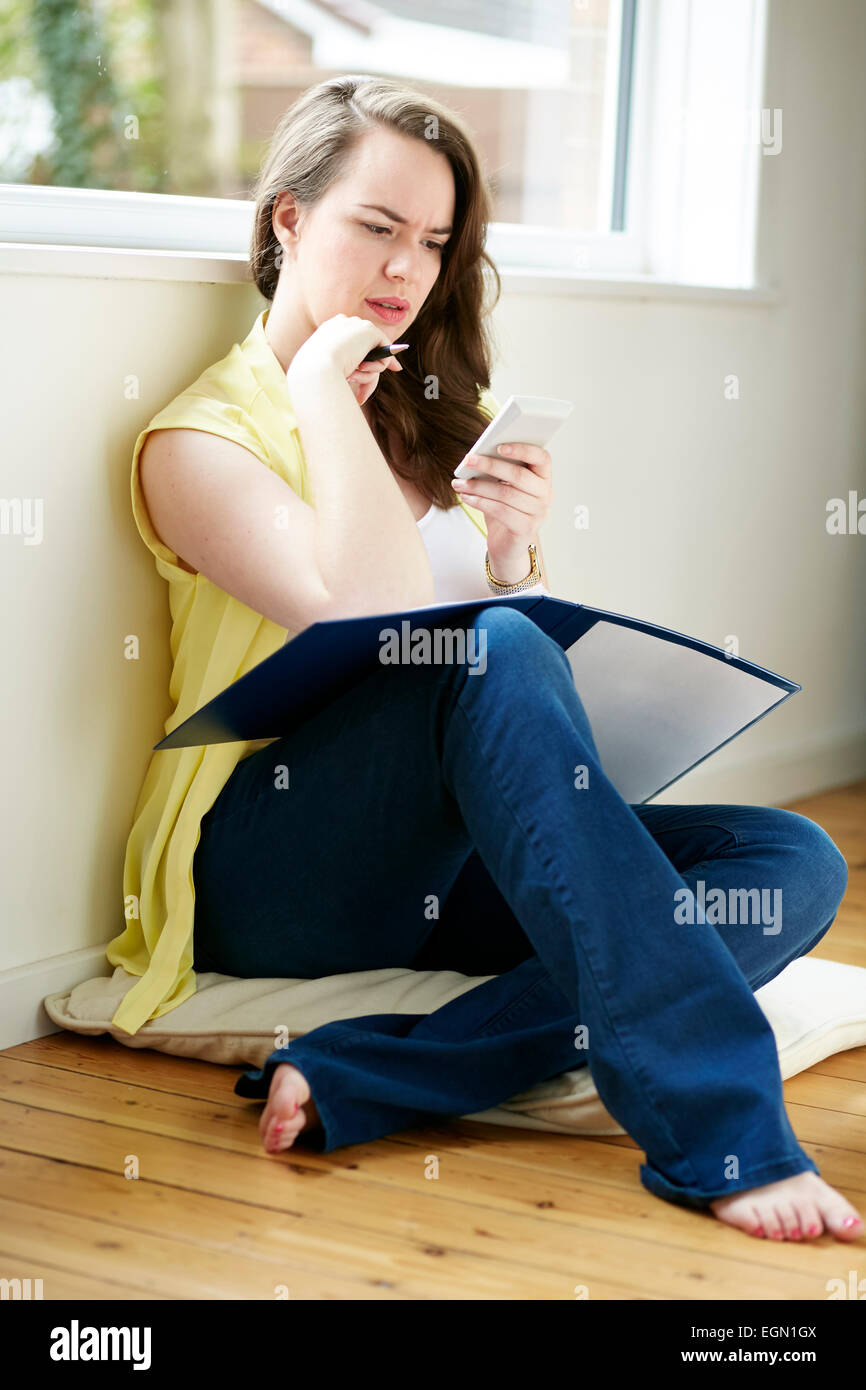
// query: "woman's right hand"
[[339, 345]]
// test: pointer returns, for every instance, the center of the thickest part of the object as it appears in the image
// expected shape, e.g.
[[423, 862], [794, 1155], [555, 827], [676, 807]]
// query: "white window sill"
[[219, 267]]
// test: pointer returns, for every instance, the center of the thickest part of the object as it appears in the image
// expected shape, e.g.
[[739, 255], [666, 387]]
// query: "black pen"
[[378, 353]]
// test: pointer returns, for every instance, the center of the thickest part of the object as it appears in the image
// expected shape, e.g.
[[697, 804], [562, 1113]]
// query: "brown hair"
[[310, 148]]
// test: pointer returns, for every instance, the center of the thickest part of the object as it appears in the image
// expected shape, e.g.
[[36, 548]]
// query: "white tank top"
[[456, 551]]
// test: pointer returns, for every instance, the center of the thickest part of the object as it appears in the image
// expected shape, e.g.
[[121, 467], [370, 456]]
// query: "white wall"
[[707, 515]]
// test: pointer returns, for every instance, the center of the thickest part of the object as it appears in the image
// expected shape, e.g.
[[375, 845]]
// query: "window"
[[132, 123]]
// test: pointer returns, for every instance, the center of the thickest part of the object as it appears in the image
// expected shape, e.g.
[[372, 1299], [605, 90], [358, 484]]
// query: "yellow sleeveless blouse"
[[215, 639]]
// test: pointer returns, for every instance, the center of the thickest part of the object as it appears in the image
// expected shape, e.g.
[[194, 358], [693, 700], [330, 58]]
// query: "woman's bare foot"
[[797, 1208], [289, 1109]]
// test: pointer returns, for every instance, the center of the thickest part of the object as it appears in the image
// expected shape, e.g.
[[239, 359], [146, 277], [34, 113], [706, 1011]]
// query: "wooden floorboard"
[[133, 1175]]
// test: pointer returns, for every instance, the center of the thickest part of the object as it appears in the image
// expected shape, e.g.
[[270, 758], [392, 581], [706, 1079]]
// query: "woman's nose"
[[404, 265]]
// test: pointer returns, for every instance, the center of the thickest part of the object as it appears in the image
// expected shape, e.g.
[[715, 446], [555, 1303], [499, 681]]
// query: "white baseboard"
[[773, 780], [22, 1017]]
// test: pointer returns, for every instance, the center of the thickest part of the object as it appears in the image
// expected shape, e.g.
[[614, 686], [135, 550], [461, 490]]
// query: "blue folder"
[[658, 702]]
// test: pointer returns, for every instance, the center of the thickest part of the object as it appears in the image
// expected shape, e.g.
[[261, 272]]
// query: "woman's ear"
[[285, 217]]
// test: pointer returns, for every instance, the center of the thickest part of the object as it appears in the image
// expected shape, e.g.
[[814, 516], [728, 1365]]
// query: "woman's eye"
[[371, 227]]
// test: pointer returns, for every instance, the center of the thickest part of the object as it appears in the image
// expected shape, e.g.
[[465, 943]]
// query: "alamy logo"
[[75, 1343], [724, 907], [441, 645], [22, 516], [20, 1289]]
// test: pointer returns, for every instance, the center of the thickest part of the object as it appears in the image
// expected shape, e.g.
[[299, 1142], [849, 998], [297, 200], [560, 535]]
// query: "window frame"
[[220, 228]]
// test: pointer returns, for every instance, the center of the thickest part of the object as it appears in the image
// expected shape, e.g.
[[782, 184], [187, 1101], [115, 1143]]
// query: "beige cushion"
[[815, 1007]]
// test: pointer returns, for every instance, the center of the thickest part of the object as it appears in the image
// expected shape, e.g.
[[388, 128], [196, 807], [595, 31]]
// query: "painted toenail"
[[796, 1233], [851, 1221], [813, 1230]]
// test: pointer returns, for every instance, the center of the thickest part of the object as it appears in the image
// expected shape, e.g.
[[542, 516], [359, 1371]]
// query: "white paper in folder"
[[655, 708]]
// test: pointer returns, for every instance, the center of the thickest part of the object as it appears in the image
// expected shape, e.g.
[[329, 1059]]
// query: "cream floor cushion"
[[815, 1007]]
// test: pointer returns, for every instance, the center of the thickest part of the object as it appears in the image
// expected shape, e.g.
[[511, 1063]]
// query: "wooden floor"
[[513, 1214]]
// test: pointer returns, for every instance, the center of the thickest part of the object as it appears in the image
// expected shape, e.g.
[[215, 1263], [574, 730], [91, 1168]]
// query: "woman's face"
[[348, 251]]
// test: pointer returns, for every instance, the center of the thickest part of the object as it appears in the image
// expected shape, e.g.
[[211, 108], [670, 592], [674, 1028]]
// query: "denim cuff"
[[256, 1085], [654, 1182]]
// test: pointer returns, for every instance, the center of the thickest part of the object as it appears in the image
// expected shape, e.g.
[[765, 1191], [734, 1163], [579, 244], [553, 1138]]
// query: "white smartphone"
[[521, 420]]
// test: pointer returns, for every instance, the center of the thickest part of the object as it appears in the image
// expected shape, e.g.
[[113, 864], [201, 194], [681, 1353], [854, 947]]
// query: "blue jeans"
[[435, 817]]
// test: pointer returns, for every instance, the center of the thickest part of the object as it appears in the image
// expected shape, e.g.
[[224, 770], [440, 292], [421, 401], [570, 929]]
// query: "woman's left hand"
[[515, 496]]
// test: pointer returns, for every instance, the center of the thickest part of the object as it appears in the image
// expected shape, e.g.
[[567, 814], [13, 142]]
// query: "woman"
[[427, 818]]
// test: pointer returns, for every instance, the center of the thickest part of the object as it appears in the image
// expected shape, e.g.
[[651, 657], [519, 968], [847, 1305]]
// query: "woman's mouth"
[[388, 315]]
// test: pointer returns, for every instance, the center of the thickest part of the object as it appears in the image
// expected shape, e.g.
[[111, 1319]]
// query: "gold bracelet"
[[497, 585]]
